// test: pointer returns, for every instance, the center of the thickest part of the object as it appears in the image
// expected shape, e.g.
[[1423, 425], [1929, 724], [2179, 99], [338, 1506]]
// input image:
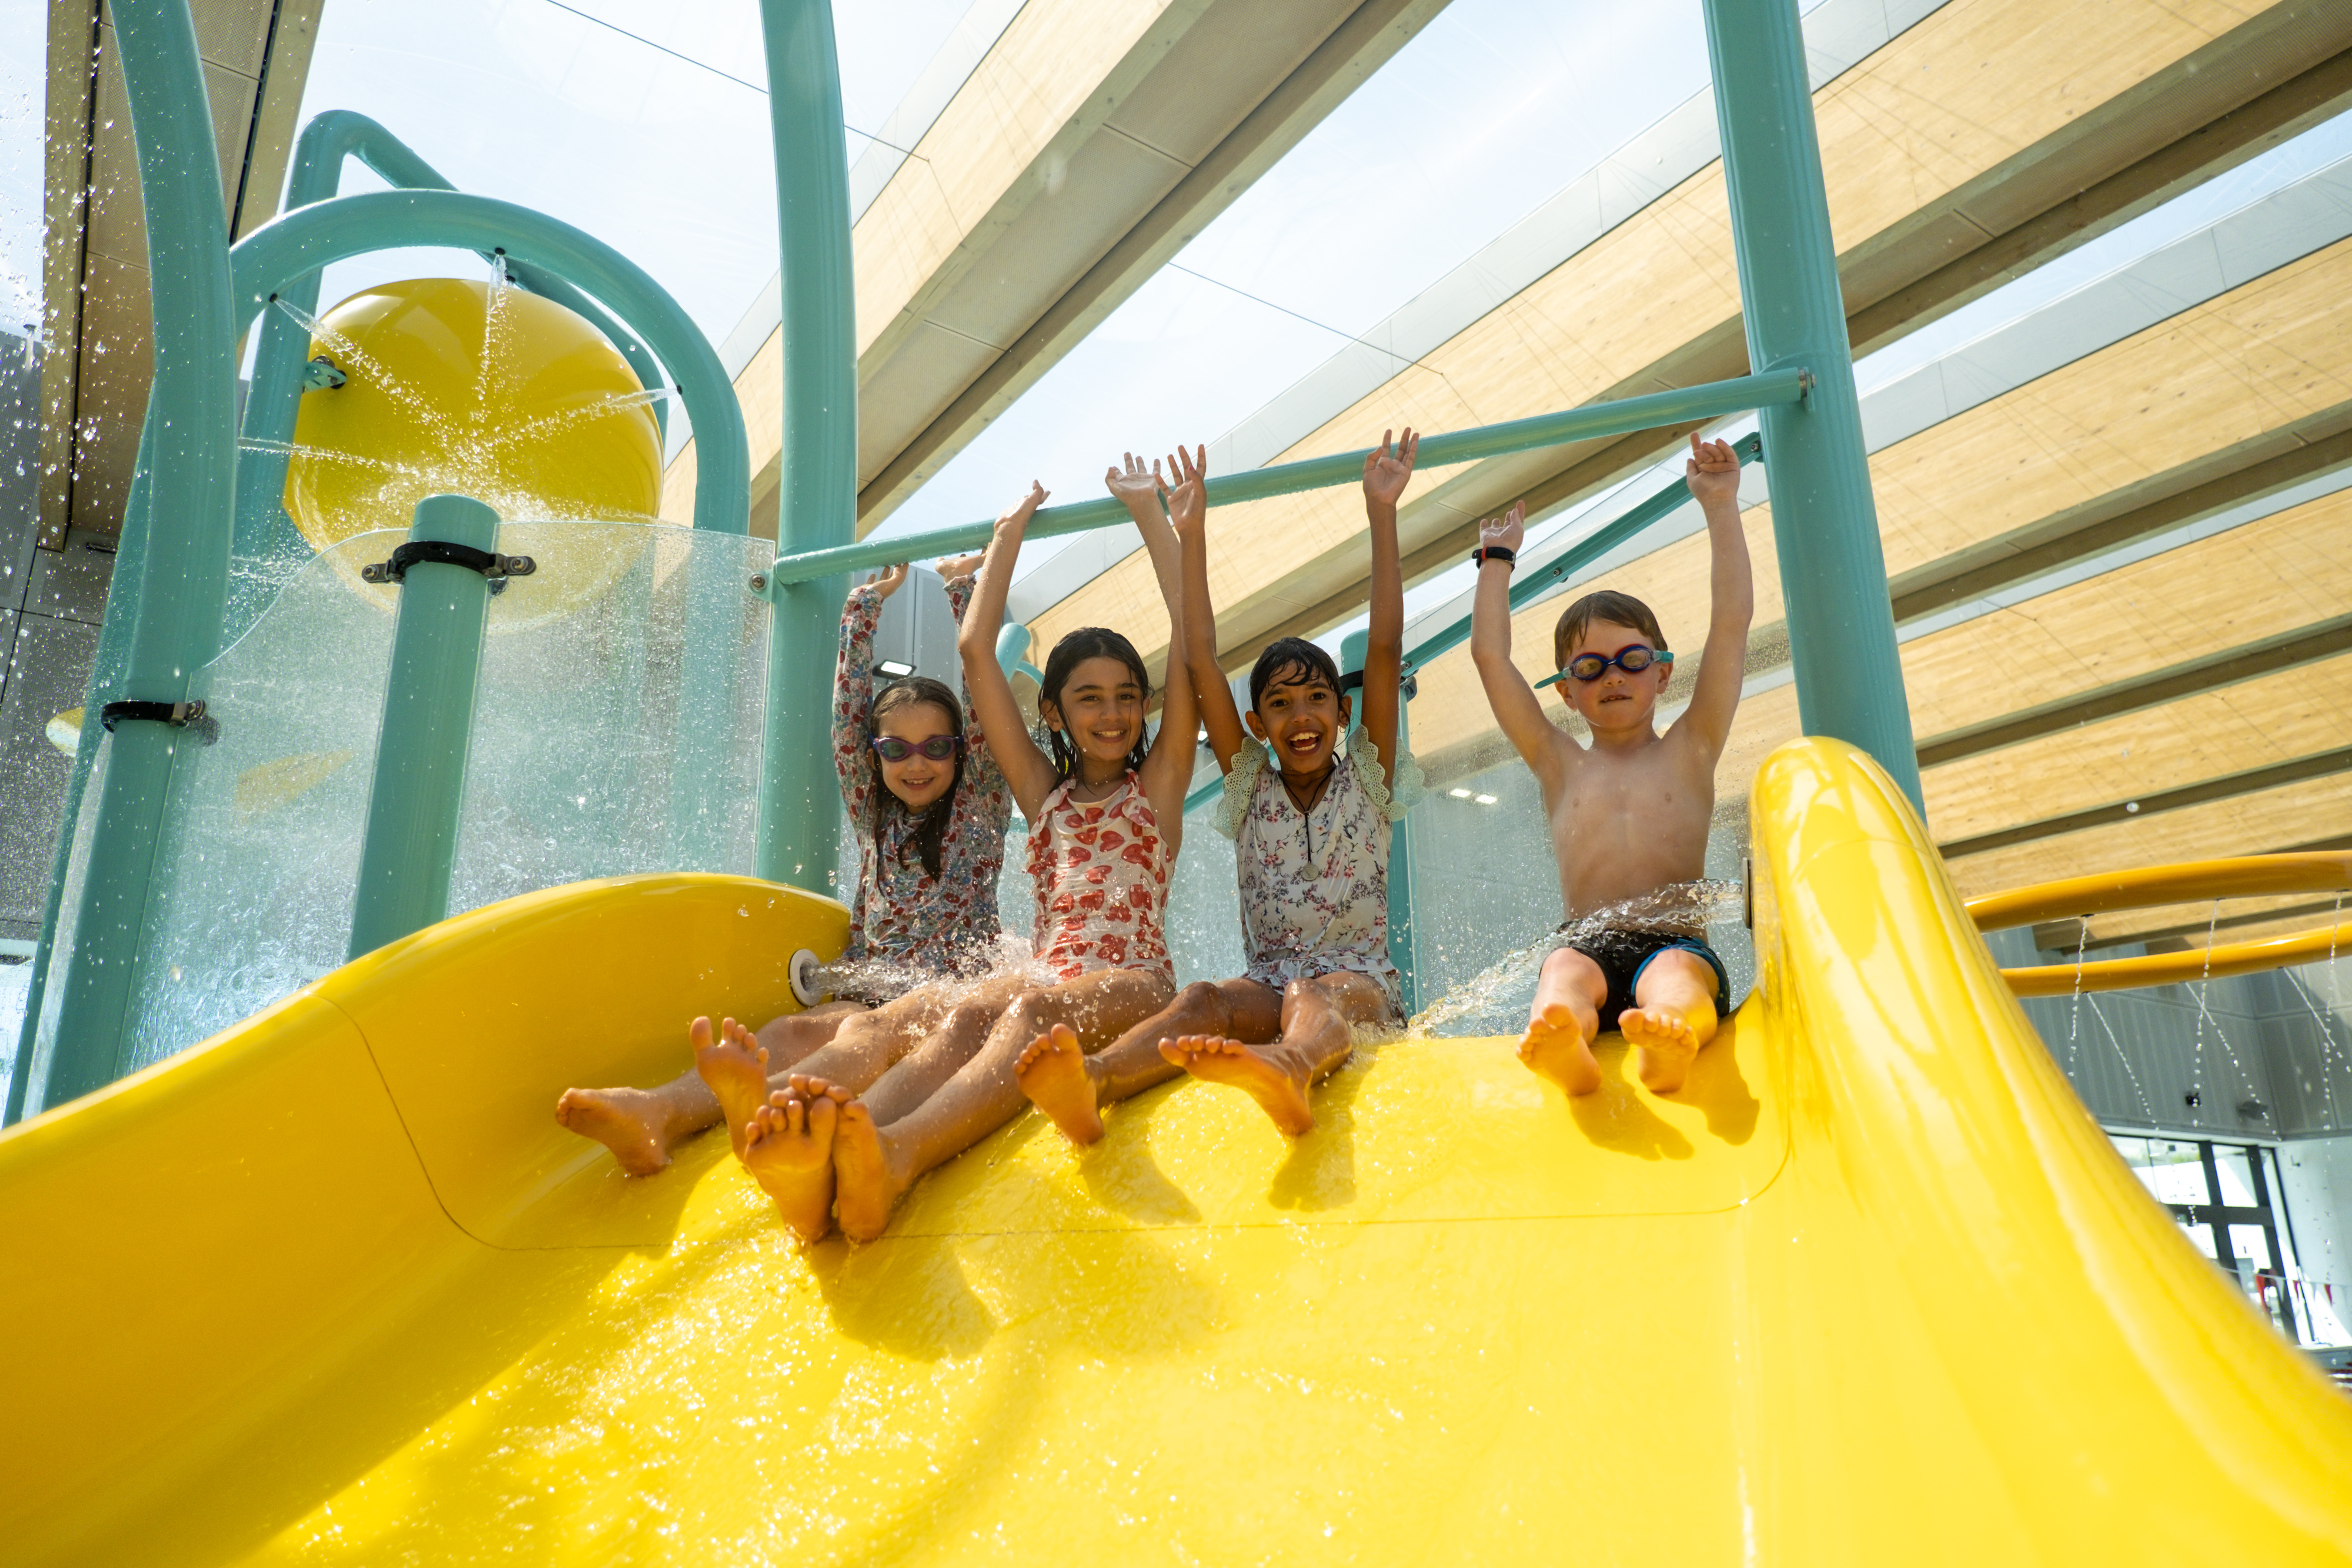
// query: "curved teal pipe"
[[300, 243], [190, 444]]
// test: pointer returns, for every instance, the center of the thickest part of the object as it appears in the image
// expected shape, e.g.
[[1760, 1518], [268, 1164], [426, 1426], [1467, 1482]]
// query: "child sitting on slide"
[[1105, 811], [1629, 815], [929, 808], [1312, 853]]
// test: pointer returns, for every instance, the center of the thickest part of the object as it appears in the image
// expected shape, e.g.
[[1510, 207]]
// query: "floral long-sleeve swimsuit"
[[933, 926], [1101, 869], [1314, 884]]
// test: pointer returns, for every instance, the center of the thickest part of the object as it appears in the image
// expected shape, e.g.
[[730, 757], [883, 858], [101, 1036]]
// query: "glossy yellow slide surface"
[[333, 1287]]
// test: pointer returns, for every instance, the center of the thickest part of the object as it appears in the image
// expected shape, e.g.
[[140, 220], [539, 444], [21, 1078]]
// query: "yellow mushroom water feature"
[[441, 384]]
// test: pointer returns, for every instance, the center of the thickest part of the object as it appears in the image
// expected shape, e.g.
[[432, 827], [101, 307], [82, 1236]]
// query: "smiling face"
[[918, 781], [1302, 718], [1617, 701], [1100, 709]]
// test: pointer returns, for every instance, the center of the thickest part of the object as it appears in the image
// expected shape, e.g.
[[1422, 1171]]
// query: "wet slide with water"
[[334, 1288]]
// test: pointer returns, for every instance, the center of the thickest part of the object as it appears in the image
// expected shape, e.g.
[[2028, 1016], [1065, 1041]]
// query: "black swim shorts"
[[1623, 954]]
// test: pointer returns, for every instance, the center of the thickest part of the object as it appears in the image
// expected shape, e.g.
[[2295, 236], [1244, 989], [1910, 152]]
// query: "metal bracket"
[[179, 715], [439, 552]]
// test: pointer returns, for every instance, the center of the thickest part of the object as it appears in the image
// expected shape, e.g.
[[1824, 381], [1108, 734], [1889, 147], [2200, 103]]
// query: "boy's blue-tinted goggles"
[[1633, 658]]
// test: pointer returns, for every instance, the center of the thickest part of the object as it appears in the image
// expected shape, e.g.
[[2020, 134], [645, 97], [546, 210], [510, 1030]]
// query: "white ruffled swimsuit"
[[1314, 884]]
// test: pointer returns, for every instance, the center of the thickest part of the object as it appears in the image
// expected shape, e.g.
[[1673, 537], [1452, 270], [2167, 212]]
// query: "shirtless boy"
[[1628, 813]]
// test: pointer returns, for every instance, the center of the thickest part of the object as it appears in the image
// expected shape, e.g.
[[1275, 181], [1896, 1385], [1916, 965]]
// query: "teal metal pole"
[[1400, 883], [817, 499], [1649, 411], [105, 685], [297, 244], [1842, 643], [428, 724], [185, 566]]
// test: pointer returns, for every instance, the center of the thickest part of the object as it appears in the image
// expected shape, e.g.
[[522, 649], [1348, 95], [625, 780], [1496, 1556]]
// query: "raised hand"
[[1186, 490], [1712, 472], [1137, 484], [1387, 469], [957, 566], [1016, 518], [889, 579], [1506, 530]]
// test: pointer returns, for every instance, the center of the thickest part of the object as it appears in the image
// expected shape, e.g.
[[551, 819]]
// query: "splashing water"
[[1680, 907], [469, 457], [876, 977]]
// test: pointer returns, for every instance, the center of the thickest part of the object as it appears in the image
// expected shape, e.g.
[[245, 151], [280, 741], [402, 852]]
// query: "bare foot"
[[1052, 1073], [736, 1068], [1278, 1094], [1555, 1047], [788, 1149], [1668, 1041], [868, 1182], [631, 1122]]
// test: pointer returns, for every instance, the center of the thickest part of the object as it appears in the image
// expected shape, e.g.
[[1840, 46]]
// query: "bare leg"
[[925, 1069], [868, 1047], [642, 1125], [1673, 1016], [1071, 1087], [788, 1149], [1562, 1020], [873, 1164], [1317, 1036]]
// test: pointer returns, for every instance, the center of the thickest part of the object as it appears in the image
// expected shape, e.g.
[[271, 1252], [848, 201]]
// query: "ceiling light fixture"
[[893, 669]]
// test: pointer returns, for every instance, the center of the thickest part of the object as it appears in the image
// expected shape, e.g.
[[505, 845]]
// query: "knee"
[[1297, 993], [966, 1018], [1027, 1011]]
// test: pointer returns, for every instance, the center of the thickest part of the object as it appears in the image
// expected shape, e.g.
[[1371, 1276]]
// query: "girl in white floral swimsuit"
[[1311, 837], [1105, 811]]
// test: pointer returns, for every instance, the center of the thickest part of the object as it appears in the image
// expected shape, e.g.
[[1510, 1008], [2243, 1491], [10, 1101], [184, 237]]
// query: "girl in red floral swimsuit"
[[924, 931], [1105, 811]]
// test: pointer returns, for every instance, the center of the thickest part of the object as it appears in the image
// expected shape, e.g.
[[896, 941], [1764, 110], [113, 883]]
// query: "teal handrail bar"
[[1649, 411], [184, 572], [1540, 580], [300, 243]]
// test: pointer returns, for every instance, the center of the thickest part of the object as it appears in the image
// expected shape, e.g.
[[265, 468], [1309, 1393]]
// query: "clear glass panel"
[[591, 686], [260, 855], [62, 945], [624, 688], [2252, 1248], [2237, 1180]]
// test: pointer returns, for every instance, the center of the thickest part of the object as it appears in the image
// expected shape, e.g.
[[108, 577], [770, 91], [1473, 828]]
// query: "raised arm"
[[1516, 709], [1026, 768], [1386, 472], [853, 685], [1168, 767], [1713, 474]]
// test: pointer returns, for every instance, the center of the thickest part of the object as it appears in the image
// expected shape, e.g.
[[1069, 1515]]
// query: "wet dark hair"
[[1617, 609], [931, 821], [1087, 643], [1292, 662]]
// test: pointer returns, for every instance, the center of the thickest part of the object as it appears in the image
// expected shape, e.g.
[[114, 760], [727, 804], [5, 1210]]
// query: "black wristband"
[[1485, 553]]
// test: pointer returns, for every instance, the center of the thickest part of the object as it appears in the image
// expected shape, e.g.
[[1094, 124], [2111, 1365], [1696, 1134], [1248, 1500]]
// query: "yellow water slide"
[[334, 1288]]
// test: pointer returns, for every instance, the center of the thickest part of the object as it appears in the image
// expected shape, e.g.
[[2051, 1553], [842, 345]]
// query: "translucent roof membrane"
[[644, 122], [1490, 109]]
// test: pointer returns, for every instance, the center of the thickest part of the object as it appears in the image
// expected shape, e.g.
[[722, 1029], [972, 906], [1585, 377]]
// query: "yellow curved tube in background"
[[332, 1288]]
